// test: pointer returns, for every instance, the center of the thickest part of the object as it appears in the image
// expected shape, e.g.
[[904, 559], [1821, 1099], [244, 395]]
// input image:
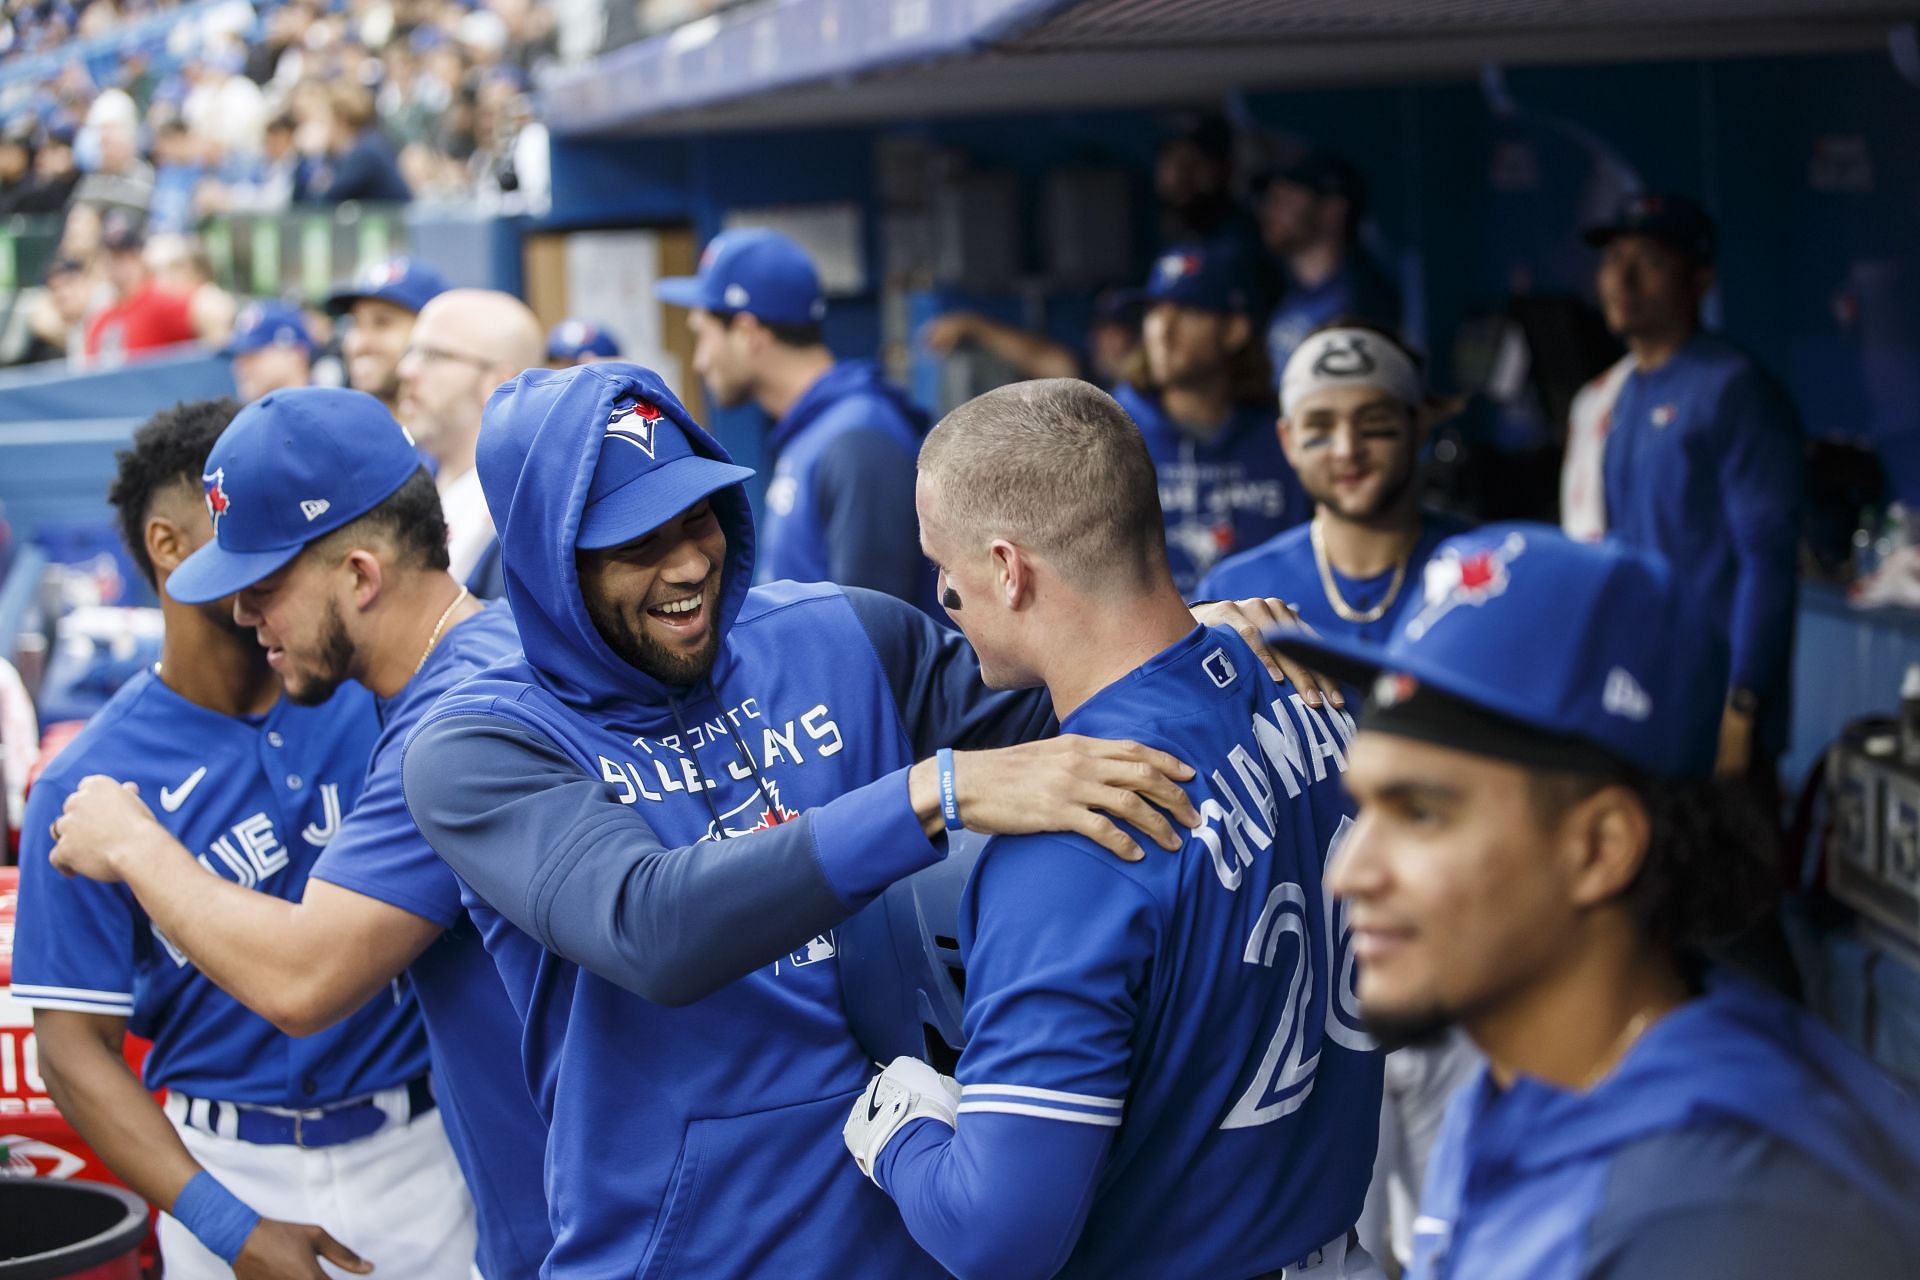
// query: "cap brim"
[[214, 573], [338, 304], [1349, 661], [681, 291], [651, 499]]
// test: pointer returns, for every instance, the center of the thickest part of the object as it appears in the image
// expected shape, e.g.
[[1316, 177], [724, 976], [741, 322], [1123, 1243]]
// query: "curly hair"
[[169, 449]]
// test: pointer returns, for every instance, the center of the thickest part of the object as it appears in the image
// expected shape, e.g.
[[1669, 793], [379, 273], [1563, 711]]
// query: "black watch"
[[1745, 701]]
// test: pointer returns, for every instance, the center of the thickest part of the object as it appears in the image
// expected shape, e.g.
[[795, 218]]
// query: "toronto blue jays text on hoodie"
[[658, 870]]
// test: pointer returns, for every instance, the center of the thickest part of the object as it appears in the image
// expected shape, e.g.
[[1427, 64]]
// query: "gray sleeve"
[[558, 853]]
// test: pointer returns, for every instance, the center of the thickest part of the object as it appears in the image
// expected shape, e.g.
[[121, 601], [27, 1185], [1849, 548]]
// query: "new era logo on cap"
[[314, 508], [1624, 696]]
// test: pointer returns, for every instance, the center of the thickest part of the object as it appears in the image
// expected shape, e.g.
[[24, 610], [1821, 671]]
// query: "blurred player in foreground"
[[331, 544], [1163, 1074], [677, 795], [1539, 857], [269, 1129]]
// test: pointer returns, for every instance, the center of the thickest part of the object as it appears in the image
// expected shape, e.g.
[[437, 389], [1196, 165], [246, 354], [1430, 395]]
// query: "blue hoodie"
[[839, 505], [1737, 1138], [658, 870]]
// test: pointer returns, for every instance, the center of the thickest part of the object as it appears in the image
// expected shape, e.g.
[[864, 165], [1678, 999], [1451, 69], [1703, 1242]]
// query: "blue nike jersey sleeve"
[[75, 939], [1059, 950], [555, 852], [1762, 477], [379, 853], [935, 677], [863, 489]]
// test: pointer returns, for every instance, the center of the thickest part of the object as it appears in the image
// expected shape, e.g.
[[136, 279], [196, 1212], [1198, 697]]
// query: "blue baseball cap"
[[572, 339], [1664, 216], [291, 467], [1207, 277], [760, 272], [648, 471], [268, 324], [1591, 651], [405, 282]]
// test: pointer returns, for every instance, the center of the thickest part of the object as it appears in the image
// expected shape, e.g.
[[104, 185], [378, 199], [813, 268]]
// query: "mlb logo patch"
[[635, 424], [217, 500]]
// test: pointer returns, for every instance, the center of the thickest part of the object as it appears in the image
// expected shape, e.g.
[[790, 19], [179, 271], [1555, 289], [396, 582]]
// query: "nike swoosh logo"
[[172, 798], [873, 1106]]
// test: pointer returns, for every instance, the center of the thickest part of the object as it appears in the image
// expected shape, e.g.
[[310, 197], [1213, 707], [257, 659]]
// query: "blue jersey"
[[1285, 567], [609, 825], [839, 504], [1185, 1025], [1737, 1137], [472, 1029], [1219, 496], [256, 799], [1357, 291], [1704, 465]]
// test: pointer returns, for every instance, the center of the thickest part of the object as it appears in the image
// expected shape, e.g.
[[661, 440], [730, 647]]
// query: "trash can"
[[69, 1230]]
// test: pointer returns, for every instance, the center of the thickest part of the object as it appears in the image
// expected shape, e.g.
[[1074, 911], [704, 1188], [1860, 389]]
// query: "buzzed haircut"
[[169, 450], [409, 520], [1054, 465]]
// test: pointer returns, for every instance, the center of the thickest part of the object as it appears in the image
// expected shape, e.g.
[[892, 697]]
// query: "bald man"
[[465, 343]]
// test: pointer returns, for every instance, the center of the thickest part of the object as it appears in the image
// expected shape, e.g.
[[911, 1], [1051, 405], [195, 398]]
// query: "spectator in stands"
[[143, 315], [258, 184], [270, 349], [224, 109], [576, 341], [54, 173], [120, 179], [359, 163], [379, 308], [1703, 463], [1202, 395], [1310, 218], [16, 163], [181, 264], [465, 343], [839, 502], [58, 318], [179, 165]]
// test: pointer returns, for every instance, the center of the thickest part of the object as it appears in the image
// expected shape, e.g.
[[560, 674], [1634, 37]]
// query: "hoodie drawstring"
[[699, 779], [739, 745]]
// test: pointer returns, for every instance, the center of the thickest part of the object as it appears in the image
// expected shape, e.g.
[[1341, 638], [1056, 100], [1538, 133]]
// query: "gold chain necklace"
[[438, 627], [1332, 589], [1617, 1051]]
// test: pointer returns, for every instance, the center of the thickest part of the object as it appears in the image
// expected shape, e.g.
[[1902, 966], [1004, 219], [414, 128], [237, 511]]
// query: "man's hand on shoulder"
[[1255, 620], [292, 1251], [1069, 783], [103, 822]]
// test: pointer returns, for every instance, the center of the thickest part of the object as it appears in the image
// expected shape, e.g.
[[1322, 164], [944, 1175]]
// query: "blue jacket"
[[839, 505], [1704, 464], [1737, 1138], [658, 870]]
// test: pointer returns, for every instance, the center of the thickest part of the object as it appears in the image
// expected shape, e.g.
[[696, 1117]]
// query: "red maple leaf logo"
[[217, 500], [1477, 571], [774, 817]]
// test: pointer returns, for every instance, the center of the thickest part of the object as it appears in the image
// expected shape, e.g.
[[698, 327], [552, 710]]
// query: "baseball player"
[[1163, 1073], [839, 504], [664, 810], [264, 1133], [1201, 393], [270, 350], [379, 308], [329, 538], [1352, 422], [1539, 857], [575, 341]]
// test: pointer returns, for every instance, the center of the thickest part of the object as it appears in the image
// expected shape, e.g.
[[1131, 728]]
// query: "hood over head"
[[613, 438]]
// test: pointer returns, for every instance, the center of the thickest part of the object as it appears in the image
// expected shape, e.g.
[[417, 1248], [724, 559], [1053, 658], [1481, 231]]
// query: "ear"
[[1012, 573], [1604, 841], [167, 544], [1284, 428], [369, 577], [1238, 333]]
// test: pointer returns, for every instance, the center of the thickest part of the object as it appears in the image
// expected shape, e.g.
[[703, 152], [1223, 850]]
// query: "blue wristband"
[[217, 1217], [949, 802]]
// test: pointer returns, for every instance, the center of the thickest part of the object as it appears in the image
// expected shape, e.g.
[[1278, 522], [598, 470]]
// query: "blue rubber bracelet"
[[218, 1219], [949, 802]]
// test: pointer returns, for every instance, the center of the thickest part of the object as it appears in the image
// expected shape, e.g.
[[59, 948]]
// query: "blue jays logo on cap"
[[635, 423], [1459, 576], [1173, 267], [217, 500]]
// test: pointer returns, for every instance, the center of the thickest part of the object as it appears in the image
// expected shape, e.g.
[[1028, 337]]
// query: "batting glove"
[[907, 1090]]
